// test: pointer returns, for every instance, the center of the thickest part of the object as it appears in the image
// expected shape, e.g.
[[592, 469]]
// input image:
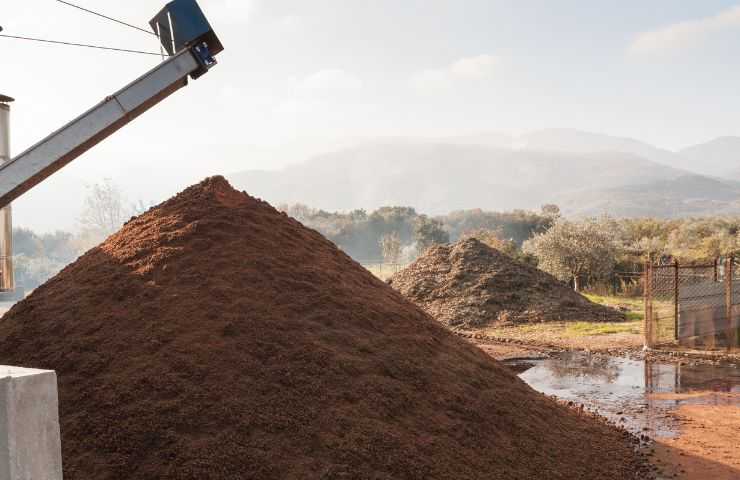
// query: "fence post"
[[648, 321], [728, 298], [732, 331], [736, 320], [675, 301], [716, 270]]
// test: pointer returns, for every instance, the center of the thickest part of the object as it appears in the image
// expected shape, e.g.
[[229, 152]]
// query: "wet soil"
[[687, 414], [545, 340]]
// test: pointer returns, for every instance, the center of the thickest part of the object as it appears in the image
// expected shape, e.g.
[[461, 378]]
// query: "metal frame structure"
[[66, 144], [7, 277], [189, 34]]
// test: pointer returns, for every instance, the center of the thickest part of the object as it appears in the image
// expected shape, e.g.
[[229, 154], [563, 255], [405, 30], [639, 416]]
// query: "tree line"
[[599, 250], [399, 234], [584, 252], [39, 256]]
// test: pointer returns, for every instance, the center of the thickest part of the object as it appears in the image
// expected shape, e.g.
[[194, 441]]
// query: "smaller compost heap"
[[470, 284]]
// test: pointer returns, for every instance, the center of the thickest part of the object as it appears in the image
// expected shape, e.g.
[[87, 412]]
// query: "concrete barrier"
[[30, 444]]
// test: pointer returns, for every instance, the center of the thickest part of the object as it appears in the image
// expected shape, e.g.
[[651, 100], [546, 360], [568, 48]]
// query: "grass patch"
[[595, 336], [600, 328], [635, 304]]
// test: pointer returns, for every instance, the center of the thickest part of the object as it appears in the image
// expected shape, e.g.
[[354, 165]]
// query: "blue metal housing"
[[182, 24]]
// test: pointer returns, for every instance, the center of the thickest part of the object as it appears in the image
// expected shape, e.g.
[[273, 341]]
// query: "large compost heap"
[[470, 284], [214, 337]]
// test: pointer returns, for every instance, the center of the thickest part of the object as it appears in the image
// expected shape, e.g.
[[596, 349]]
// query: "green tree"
[[551, 210], [429, 232], [577, 251], [702, 240], [27, 242], [647, 249], [517, 225]]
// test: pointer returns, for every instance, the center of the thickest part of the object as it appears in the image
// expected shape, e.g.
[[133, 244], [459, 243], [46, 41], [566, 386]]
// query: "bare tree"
[[390, 246], [140, 207], [104, 211]]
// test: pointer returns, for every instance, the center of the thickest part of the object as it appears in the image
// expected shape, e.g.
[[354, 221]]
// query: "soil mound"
[[214, 337], [470, 284]]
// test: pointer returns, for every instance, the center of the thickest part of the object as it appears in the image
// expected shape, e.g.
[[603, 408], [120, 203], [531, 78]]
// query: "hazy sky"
[[298, 77]]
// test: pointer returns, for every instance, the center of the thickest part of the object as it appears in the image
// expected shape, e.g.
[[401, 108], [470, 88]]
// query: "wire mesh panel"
[[661, 296], [694, 306], [733, 303], [702, 312]]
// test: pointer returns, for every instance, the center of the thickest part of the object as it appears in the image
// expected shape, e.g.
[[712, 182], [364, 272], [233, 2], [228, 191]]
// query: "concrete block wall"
[[30, 444]]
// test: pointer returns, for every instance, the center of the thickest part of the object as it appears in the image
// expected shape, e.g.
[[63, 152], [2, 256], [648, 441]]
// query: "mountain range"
[[585, 173], [719, 157]]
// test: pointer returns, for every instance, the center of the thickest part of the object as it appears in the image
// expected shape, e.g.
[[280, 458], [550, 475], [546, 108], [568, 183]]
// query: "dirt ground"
[[708, 446], [557, 336], [623, 338], [510, 351]]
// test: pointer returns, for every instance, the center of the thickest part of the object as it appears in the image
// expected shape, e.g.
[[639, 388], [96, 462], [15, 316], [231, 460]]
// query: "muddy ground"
[[692, 436], [548, 338]]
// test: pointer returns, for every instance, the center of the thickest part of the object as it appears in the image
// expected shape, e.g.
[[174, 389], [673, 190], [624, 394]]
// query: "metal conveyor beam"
[[61, 147]]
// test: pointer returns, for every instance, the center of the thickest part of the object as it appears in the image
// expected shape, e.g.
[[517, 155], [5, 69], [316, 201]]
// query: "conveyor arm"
[[61, 147]]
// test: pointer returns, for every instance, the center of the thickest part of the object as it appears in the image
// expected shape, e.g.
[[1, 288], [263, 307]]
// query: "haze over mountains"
[[720, 157], [585, 173]]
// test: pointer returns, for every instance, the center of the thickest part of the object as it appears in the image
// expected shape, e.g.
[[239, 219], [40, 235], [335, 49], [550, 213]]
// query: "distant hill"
[[483, 139], [585, 173], [689, 195], [576, 141], [719, 157], [437, 178]]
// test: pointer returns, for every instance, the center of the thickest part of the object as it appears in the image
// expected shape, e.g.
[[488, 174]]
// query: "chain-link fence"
[[695, 306]]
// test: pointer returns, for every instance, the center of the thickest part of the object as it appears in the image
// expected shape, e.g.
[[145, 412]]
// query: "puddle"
[[636, 394]]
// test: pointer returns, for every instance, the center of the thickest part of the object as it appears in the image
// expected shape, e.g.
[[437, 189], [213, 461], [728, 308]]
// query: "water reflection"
[[678, 378], [638, 394]]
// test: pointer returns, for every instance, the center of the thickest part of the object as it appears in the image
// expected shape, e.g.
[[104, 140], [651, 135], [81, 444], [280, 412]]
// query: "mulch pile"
[[470, 284], [215, 338]]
